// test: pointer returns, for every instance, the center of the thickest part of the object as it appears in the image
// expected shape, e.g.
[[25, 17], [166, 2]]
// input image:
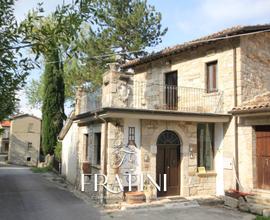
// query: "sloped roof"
[[229, 32], [257, 104], [66, 126], [5, 123], [24, 115]]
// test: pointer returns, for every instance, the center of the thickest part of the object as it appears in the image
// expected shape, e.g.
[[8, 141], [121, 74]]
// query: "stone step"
[[261, 192], [258, 200], [258, 209]]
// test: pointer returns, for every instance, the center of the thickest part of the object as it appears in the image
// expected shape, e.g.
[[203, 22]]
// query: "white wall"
[[70, 154], [219, 158]]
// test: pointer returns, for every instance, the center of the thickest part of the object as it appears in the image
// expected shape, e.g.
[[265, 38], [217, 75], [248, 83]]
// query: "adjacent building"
[[24, 147], [198, 112], [4, 136]]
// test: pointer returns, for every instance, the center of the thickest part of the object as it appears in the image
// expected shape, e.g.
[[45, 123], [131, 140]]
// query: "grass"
[[41, 169], [262, 218]]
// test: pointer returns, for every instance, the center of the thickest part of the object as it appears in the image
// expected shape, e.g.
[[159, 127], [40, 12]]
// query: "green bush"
[[41, 169], [262, 218], [58, 151]]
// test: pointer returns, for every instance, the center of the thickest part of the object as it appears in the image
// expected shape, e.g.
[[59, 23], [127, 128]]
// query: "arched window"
[[168, 137]]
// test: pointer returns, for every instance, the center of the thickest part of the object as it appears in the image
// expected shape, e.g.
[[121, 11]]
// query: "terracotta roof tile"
[[233, 31], [258, 103], [5, 123]]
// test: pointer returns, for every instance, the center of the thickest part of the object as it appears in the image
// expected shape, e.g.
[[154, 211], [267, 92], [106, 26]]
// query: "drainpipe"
[[235, 118]]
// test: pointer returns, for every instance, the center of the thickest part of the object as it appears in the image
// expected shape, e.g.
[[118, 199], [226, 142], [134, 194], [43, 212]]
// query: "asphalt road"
[[189, 213], [28, 196]]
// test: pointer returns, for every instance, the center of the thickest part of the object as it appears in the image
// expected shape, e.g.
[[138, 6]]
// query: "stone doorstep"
[[266, 212], [162, 205], [167, 202], [262, 192], [259, 209], [258, 200], [242, 205]]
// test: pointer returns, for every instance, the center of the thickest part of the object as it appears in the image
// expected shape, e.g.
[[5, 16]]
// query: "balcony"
[[151, 96]]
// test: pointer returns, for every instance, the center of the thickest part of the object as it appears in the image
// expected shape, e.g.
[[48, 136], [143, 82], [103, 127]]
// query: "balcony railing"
[[141, 95]]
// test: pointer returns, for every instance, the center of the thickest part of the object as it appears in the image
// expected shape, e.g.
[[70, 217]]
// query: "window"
[[30, 128], [211, 77], [86, 147], [6, 147], [98, 147], [131, 135], [29, 145], [205, 143]]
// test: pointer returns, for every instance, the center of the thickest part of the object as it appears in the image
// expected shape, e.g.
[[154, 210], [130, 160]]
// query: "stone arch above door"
[[168, 137]]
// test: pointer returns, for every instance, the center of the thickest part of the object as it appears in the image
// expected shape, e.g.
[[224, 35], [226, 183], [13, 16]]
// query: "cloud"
[[211, 15], [231, 10]]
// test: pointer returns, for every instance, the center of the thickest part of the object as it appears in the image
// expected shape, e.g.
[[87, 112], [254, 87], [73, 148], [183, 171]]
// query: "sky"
[[186, 20]]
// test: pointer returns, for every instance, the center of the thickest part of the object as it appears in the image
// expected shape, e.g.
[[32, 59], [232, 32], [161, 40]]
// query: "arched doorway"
[[168, 162]]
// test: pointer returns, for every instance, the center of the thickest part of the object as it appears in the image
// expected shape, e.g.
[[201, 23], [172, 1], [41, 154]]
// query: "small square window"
[[30, 128], [29, 145]]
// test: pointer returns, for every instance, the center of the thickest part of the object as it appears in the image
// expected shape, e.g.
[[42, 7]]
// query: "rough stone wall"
[[117, 89], [246, 157], [191, 69], [191, 182], [24, 130], [255, 80], [255, 65], [115, 138]]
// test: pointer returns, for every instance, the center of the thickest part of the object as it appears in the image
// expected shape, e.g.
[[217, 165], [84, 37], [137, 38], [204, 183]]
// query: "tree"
[[13, 66], [123, 30], [52, 37], [130, 25]]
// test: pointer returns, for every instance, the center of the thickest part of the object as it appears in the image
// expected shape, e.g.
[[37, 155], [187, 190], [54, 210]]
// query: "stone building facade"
[[4, 136], [24, 147], [172, 113]]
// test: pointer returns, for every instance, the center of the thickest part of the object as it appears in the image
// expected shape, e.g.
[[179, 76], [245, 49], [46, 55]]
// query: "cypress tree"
[[53, 101]]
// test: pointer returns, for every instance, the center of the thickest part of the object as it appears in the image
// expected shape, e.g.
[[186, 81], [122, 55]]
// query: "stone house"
[[24, 147], [4, 136], [186, 111]]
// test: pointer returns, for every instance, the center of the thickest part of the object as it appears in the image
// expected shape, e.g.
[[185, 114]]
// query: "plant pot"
[[86, 167], [135, 197]]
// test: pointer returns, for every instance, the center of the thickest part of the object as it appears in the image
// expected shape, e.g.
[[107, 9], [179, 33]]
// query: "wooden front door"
[[168, 162], [263, 156], [171, 91]]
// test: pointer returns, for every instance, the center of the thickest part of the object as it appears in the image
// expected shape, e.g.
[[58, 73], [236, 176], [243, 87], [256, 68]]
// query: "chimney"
[[78, 99]]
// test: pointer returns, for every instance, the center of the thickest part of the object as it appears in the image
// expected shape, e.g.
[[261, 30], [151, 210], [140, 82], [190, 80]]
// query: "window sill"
[[212, 93], [96, 166], [207, 174]]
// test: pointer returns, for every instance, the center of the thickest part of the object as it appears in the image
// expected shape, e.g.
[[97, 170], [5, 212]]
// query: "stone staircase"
[[258, 203]]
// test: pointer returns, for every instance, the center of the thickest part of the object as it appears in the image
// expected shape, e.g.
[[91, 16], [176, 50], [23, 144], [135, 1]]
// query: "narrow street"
[[28, 196], [188, 213]]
